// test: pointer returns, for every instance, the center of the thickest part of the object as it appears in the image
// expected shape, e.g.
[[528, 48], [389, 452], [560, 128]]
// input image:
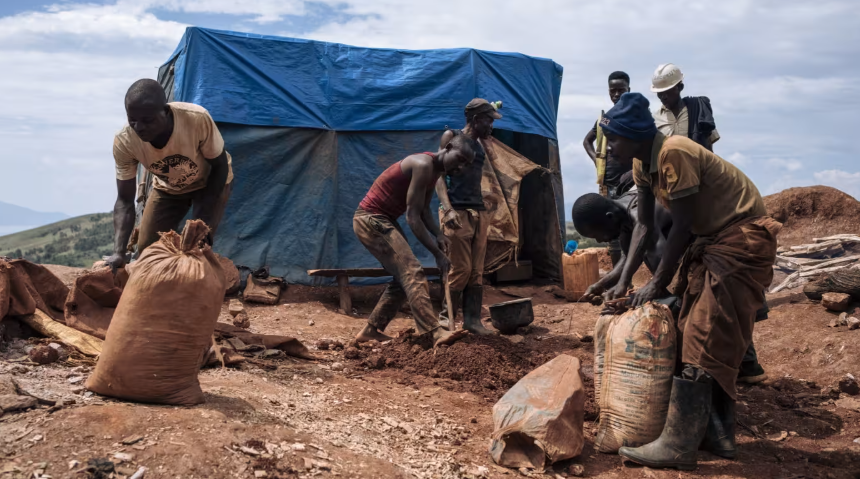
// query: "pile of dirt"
[[812, 212], [484, 365]]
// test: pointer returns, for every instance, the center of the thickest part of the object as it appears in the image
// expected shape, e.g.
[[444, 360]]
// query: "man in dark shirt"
[[465, 222], [609, 168]]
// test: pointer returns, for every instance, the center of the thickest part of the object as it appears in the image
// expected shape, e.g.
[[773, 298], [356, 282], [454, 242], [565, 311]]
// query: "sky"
[[782, 75]]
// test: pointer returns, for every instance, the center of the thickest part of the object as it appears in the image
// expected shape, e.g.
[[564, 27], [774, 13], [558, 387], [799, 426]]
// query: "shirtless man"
[[407, 187]]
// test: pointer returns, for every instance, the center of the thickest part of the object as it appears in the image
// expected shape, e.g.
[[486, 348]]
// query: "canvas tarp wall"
[[310, 125]]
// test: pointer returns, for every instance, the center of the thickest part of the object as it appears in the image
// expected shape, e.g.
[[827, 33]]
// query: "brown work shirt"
[[680, 167]]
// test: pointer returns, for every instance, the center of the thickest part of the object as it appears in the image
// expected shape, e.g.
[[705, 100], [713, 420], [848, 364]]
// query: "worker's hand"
[[593, 291], [647, 293], [443, 263], [452, 220], [444, 243], [617, 291], [115, 261]]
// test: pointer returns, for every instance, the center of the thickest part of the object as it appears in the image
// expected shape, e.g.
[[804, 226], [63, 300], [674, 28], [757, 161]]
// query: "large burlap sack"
[[163, 324], [638, 364], [600, 330], [539, 420]]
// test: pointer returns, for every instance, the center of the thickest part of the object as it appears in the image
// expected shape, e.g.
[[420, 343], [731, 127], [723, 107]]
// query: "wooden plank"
[[362, 272], [345, 298], [845, 238]]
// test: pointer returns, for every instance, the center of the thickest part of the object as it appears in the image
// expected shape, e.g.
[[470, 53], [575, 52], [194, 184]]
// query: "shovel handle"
[[452, 325]]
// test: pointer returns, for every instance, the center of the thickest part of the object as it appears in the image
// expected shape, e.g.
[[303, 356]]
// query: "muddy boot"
[[686, 422], [444, 321], [473, 298], [751, 371], [720, 435]]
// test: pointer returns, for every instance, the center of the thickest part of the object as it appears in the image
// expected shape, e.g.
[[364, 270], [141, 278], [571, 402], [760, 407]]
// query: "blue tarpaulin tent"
[[310, 125]]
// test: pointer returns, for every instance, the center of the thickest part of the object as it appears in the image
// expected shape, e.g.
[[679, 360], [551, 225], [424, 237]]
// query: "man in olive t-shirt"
[[722, 277]]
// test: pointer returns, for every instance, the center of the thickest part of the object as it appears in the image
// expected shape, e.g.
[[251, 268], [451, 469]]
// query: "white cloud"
[[738, 159], [786, 164]]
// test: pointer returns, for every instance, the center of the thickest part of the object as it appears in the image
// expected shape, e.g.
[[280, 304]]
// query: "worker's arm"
[[607, 281], [642, 235], [416, 206], [448, 215], [205, 207], [683, 212], [433, 226], [123, 221], [588, 144]]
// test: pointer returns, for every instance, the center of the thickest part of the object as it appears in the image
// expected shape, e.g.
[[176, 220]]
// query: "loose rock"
[[323, 344], [10, 402], [853, 323], [337, 367], [351, 353], [576, 470], [44, 355], [835, 301], [848, 385], [241, 320], [235, 307]]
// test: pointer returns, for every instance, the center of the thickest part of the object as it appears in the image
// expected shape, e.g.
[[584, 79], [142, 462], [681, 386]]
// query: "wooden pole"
[[452, 314], [41, 322]]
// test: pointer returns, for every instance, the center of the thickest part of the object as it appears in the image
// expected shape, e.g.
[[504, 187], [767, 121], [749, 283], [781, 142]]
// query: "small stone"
[[576, 470], [516, 338], [128, 441], [857, 441], [375, 362], [835, 301], [78, 389], [311, 322], [351, 353], [76, 379], [123, 457], [372, 344], [73, 464], [853, 323], [235, 307], [337, 367], [474, 420], [848, 385], [44, 355], [318, 380], [323, 344], [272, 354], [337, 345], [298, 447], [241, 320], [416, 349], [260, 473], [830, 392]]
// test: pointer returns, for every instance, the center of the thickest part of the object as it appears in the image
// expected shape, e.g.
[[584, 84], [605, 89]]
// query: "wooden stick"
[[452, 314], [44, 324]]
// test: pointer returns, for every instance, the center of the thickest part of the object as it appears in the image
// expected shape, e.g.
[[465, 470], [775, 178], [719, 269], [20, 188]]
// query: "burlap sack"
[[539, 420], [91, 302], [163, 324], [638, 364]]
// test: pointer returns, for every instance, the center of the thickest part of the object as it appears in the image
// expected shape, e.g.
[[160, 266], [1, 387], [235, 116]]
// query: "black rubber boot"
[[751, 371], [720, 435], [473, 297], [689, 409], [456, 296]]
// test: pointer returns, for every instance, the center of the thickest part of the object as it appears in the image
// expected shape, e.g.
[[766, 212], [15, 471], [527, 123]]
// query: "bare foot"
[[370, 333], [441, 337]]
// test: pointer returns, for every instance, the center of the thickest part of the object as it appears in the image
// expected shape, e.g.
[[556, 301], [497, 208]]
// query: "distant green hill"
[[73, 242], [572, 234]]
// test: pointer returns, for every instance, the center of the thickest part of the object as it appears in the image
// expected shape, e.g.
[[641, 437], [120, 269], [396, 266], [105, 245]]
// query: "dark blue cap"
[[630, 118]]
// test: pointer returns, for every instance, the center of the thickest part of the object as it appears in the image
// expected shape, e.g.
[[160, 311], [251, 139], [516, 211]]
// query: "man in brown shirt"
[[722, 276]]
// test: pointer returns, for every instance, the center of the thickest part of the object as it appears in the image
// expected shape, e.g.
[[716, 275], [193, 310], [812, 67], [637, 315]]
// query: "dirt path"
[[305, 419]]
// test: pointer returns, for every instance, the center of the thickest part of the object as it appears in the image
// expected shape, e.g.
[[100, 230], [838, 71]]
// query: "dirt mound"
[[485, 365], [811, 212]]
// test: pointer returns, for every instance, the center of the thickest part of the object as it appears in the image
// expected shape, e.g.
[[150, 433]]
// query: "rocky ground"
[[396, 411]]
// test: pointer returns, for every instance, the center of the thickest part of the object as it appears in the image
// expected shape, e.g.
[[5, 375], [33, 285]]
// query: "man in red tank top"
[[407, 187]]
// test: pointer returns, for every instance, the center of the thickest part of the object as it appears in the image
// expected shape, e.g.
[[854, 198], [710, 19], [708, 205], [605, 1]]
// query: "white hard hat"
[[665, 77]]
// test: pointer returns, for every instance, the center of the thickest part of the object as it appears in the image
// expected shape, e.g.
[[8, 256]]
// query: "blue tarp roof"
[[263, 80]]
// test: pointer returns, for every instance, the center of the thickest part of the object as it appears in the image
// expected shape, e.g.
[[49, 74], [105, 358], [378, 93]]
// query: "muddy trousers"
[[164, 212], [468, 251], [384, 239]]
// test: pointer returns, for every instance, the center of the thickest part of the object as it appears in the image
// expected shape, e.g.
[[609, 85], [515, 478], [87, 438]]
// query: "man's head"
[[597, 217], [147, 110], [458, 153], [668, 82], [619, 84], [627, 126], [480, 115]]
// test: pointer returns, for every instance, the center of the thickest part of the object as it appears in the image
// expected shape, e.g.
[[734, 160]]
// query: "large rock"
[[848, 385], [12, 402], [785, 297], [8, 386], [835, 301]]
